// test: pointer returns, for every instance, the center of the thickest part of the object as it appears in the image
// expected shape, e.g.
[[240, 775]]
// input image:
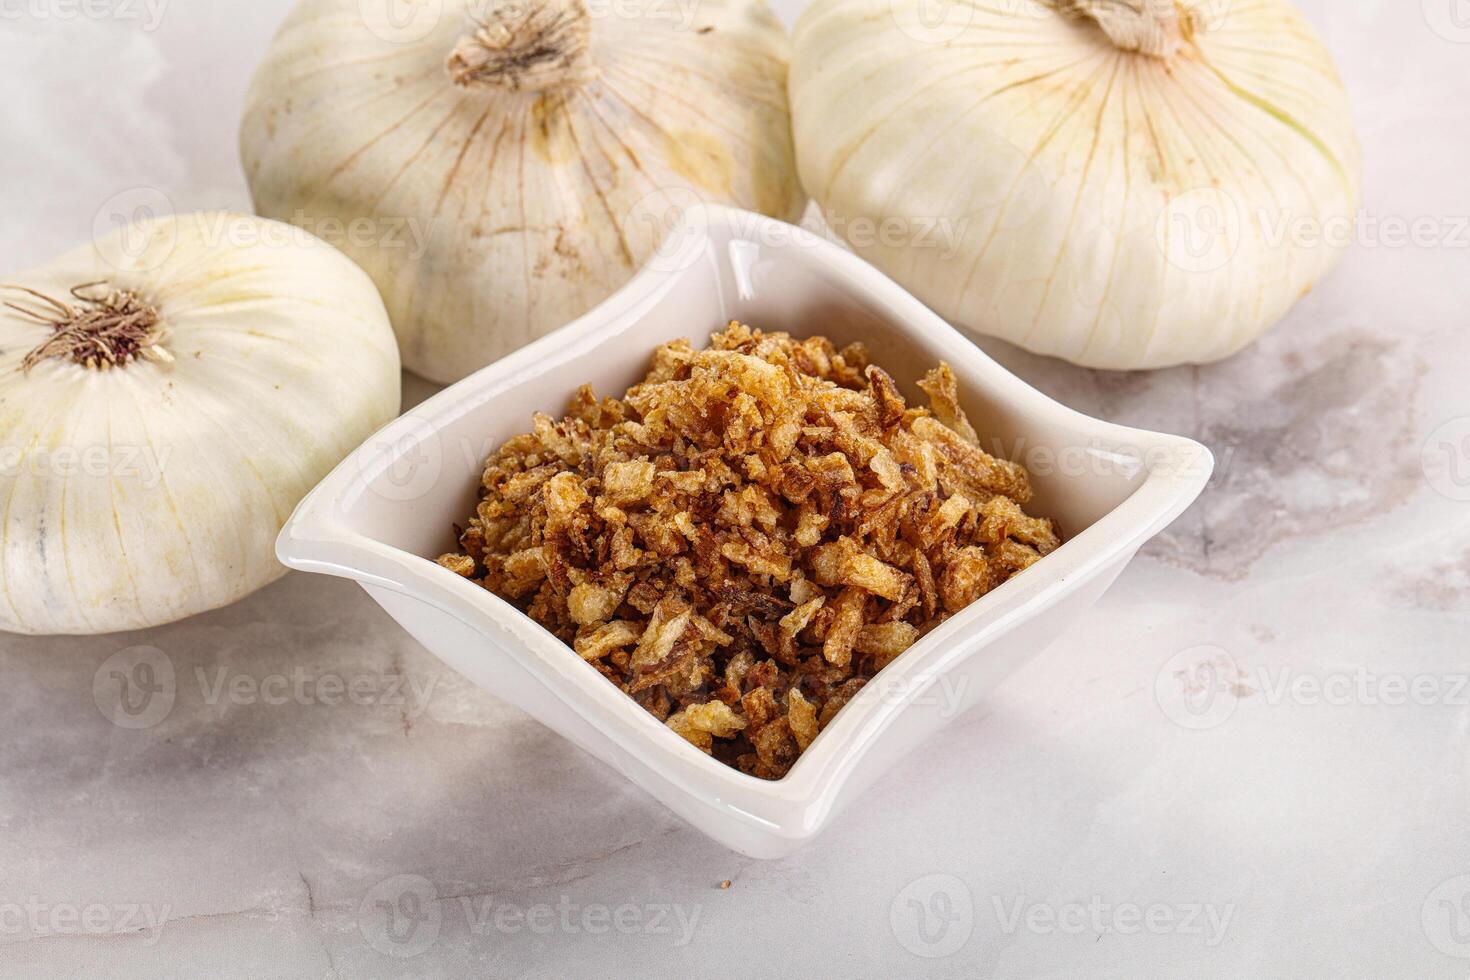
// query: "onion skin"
[[137, 493], [1117, 208], [530, 157]]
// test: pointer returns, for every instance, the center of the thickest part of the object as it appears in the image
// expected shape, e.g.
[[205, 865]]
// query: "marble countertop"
[[324, 799]]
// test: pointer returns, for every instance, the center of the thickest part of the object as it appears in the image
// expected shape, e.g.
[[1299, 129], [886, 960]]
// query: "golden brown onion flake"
[[750, 534]]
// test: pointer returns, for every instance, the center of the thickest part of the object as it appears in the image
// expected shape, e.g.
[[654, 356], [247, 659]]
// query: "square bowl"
[[387, 511]]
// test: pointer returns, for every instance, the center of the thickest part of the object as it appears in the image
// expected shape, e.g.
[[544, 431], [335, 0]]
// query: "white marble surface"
[[1310, 822]]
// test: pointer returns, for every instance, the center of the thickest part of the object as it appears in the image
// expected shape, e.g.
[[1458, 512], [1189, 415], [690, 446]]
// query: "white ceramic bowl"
[[384, 514]]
